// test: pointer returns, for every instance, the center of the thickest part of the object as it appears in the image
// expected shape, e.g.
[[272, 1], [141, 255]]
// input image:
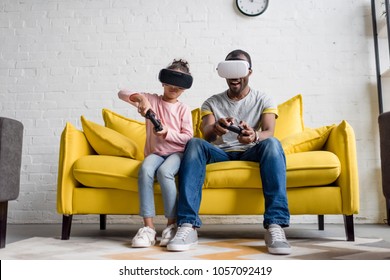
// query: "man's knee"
[[193, 145], [272, 144]]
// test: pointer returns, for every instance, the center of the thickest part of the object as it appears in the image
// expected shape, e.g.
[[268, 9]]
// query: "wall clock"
[[252, 7]]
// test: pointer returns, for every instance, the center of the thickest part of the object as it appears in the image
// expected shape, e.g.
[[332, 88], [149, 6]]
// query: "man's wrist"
[[257, 138]]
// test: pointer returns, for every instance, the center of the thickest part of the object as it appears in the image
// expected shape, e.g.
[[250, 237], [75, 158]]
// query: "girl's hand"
[[161, 133], [143, 106]]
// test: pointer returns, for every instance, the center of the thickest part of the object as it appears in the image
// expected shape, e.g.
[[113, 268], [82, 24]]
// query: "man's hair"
[[236, 55]]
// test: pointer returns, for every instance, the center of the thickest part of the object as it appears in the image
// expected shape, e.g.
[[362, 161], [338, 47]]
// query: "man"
[[256, 114]]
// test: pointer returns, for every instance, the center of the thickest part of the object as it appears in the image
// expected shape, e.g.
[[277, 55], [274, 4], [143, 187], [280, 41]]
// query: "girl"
[[163, 149]]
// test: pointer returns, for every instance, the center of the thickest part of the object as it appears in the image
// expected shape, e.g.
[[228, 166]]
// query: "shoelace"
[[183, 232], [142, 230], [277, 234]]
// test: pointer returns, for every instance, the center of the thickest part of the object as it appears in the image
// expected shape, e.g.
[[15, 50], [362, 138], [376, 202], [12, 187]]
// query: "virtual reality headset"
[[233, 69], [175, 78]]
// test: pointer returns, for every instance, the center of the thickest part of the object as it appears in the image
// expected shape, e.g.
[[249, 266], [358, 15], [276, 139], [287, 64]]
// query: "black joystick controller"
[[156, 122], [233, 128]]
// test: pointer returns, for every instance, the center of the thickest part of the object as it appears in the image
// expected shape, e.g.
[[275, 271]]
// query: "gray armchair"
[[384, 133], [11, 138]]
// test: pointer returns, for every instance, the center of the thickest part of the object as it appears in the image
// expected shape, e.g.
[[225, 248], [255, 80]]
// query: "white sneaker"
[[185, 238], [167, 234], [145, 237], [276, 241]]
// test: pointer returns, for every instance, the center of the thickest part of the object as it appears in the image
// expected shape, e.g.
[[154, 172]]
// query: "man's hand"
[[248, 134], [220, 126]]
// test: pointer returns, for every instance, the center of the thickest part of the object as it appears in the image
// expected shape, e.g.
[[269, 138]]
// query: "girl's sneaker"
[[145, 237], [167, 234]]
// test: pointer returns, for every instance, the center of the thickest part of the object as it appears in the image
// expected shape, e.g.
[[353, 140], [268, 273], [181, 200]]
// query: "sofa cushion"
[[290, 118], [112, 172], [133, 129], [106, 141], [311, 139], [196, 123], [315, 168]]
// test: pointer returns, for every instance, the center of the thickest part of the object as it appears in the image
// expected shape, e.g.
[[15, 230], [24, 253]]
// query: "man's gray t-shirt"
[[248, 109]]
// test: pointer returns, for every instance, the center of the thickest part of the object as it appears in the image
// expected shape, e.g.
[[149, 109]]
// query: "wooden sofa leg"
[[349, 227], [66, 226], [3, 222], [321, 222], [103, 221]]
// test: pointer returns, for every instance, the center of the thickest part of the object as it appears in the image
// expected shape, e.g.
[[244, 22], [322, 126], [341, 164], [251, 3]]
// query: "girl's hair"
[[181, 65]]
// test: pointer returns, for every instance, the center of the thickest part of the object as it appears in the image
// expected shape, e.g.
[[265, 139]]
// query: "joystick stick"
[[156, 122]]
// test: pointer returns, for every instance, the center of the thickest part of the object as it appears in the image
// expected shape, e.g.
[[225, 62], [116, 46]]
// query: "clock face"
[[252, 7]]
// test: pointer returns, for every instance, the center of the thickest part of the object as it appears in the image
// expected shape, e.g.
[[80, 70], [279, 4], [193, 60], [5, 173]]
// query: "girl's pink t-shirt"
[[177, 118]]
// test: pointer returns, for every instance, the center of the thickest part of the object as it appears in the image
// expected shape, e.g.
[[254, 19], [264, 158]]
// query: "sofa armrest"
[[73, 146], [341, 142]]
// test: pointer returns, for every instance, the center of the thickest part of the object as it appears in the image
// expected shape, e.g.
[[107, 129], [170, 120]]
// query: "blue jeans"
[[268, 153], [164, 168]]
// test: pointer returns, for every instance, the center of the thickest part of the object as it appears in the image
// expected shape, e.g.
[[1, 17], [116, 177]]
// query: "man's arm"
[[250, 135], [268, 122], [211, 128]]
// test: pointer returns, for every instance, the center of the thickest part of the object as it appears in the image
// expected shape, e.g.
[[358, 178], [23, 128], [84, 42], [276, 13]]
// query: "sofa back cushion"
[[133, 129], [289, 122], [311, 139], [196, 123], [290, 118], [106, 141]]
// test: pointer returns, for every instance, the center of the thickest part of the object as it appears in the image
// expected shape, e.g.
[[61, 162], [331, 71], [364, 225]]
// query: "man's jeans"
[[268, 153], [165, 169]]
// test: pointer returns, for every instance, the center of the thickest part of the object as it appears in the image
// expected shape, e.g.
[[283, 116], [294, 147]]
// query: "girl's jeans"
[[164, 168], [268, 153]]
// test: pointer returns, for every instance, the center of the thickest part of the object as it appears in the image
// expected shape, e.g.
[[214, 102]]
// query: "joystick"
[[233, 128], [156, 122]]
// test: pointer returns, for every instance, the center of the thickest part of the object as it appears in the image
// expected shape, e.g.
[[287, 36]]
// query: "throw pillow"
[[312, 139], [290, 119], [197, 122], [106, 141], [133, 129]]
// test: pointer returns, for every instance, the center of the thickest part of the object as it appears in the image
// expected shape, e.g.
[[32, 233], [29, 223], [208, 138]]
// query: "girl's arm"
[[136, 99]]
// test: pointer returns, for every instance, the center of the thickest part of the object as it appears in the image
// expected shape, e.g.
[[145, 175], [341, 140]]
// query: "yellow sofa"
[[98, 170]]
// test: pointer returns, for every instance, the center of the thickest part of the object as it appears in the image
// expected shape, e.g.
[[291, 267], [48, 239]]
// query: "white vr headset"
[[233, 69]]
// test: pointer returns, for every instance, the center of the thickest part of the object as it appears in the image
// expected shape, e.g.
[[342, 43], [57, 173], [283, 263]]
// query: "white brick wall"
[[61, 59]]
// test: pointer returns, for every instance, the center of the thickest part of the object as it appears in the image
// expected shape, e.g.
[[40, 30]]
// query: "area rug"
[[112, 248]]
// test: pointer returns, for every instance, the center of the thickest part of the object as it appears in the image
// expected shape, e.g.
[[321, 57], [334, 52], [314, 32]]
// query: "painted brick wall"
[[60, 59]]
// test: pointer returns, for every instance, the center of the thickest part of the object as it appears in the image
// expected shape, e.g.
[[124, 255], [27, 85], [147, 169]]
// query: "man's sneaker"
[[145, 237], [276, 241], [167, 234], [186, 237]]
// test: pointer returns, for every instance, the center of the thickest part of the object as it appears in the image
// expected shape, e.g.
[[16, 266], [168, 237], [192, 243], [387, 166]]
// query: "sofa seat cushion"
[[102, 171], [314, 168]]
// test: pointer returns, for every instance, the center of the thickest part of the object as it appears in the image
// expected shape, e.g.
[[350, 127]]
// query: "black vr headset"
[[175, 78]]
